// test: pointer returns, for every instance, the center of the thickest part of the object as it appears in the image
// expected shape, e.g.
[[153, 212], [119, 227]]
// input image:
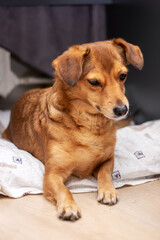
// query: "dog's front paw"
[[69, 212], [109, 197]]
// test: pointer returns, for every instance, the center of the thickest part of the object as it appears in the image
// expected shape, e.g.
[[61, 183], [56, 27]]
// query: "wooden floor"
[[136, 216]]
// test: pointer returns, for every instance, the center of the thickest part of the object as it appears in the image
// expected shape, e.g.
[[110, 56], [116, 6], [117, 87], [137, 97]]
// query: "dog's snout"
[[120, 110]]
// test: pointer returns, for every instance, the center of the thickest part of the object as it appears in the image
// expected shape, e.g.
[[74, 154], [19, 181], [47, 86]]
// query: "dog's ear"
[[132, 53], [69, 65]]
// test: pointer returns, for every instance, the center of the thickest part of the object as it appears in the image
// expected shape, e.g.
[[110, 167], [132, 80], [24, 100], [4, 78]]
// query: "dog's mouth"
[[117, 118]]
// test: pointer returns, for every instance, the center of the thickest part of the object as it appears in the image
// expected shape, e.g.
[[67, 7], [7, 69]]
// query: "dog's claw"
[[79, 214], [62, 214]]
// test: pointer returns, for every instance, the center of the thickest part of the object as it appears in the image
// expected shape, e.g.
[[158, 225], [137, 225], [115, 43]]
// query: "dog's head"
[[96, 73]]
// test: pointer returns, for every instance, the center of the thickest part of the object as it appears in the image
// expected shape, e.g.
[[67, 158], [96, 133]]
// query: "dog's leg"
[[107, 194], [55, 191]]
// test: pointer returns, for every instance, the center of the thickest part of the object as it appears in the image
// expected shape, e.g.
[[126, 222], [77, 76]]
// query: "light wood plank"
[[136, 216]]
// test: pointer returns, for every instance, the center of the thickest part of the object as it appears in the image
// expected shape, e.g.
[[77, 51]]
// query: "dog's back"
[[23, 128]]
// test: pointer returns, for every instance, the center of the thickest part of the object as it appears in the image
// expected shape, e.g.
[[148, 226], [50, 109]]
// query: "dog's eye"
[[123, 76], [94, 82]]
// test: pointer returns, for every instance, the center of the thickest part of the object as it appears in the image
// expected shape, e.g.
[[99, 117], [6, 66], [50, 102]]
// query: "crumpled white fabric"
[[20, 172], [137, 160]]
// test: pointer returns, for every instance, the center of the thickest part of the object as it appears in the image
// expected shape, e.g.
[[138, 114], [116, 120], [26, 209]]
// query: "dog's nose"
[[120, 110]]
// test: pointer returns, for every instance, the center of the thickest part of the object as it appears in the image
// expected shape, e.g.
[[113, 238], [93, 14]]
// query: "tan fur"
[[71, 126]]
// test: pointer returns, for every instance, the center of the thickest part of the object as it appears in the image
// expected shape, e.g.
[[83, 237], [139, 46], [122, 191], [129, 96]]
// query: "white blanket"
[[137, 160]]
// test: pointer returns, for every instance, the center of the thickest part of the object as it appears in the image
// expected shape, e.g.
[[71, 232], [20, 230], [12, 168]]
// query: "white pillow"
[[137, 158], [20, 172]]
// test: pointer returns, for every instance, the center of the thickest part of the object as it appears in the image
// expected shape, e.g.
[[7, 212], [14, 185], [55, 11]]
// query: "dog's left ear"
[[69, 65], [133, 53]]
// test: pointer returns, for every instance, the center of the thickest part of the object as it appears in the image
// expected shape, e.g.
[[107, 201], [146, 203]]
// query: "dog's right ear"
[[69, 65]]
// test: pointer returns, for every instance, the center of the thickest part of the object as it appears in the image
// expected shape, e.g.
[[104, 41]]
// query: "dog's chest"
[[81, 149], [90, 151]]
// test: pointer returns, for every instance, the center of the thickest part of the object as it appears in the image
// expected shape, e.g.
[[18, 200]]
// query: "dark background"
[[140, 24], [137, 23]]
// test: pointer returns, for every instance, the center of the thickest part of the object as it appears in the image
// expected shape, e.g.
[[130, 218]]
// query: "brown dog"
[[71, 126]]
